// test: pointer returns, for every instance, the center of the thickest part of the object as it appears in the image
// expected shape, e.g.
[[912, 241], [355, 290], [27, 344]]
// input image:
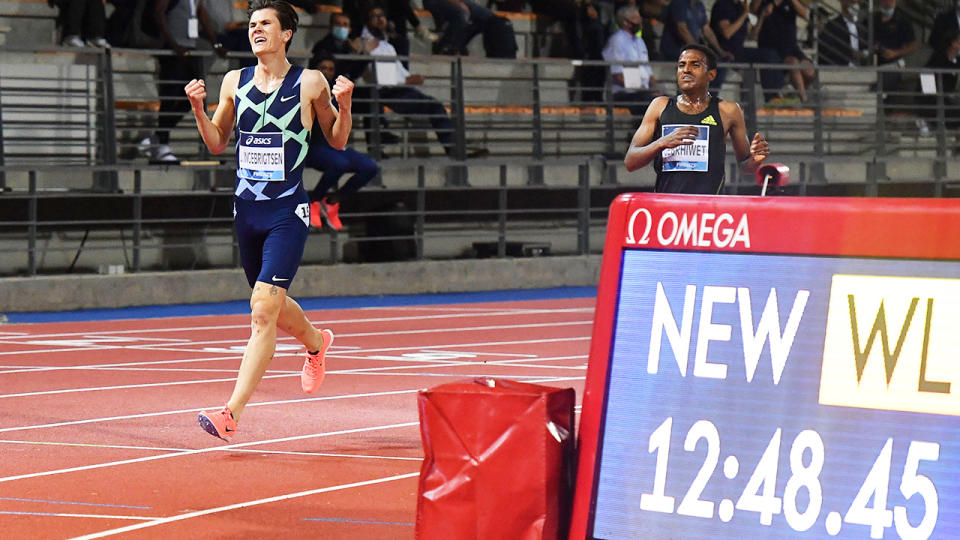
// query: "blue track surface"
[[343, 302]]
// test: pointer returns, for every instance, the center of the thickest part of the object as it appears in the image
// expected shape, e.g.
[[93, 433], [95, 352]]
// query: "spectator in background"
[[333, 164], [230, 33], [462, 20], [839, 43], [944, 27], [82, 22], [778, 31], [652, 13], [894, 40], [177, 22], [395, 83], [567, 13], [399, 14], [946, 83], [340, 42], [686, 24], [729, 20], [631, 84], [594, 40]]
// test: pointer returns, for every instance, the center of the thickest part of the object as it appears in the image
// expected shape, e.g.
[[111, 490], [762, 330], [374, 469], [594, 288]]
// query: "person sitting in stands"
[[333, 164]]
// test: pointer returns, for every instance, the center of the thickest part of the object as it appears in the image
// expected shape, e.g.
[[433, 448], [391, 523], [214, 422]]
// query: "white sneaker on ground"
[[98, 42], [163, 153], [73, 41]]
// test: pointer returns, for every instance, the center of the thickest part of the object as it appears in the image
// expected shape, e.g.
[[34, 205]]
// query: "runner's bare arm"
[[335, 125], [749, 154], [215, 133], [645, 145]]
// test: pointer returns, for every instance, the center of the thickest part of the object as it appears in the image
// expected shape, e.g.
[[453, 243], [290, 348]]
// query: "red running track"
[[99, 438]]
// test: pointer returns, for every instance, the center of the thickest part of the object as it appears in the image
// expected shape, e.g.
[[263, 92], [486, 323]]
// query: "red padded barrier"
[[498, 461]]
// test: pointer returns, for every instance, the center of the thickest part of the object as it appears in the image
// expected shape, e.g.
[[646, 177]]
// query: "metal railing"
[[59, 206]]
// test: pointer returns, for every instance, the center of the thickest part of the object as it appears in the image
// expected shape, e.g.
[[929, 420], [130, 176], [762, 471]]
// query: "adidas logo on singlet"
[[709, 121]]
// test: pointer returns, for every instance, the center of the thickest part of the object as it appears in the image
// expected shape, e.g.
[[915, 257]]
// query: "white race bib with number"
[[687, 157], [260, 157]]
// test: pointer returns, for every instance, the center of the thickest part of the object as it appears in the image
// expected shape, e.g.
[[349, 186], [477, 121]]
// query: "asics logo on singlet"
[[257, 140]]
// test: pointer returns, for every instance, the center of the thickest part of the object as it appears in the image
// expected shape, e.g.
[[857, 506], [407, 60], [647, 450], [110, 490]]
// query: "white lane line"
[[318, 321], [259, 404], [129, 386], [459, 345], [203, 451], [185, 411], [429, 365], [341, 336], [246, 504], [238, 450], [97, 516]]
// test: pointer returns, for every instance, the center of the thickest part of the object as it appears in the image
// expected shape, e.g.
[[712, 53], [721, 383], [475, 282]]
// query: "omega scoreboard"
[[774, 368]]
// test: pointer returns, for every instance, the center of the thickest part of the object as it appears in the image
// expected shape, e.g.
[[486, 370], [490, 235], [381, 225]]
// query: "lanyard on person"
[[193, 24]]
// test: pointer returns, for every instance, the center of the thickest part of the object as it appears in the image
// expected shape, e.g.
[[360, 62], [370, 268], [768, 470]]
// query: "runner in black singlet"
[[684, 137], [271, 108]]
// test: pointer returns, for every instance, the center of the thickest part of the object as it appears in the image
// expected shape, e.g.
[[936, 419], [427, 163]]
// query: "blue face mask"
[[340, 32]]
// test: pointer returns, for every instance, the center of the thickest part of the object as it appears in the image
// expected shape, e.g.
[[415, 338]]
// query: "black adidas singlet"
[[695, 168]]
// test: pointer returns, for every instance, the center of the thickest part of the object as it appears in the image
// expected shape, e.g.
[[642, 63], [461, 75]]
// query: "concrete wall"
[[57, 293]]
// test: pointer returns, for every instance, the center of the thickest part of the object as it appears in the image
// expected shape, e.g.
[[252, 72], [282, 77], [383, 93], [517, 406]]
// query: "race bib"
[[260, 157], [688, 157], [303, 212]]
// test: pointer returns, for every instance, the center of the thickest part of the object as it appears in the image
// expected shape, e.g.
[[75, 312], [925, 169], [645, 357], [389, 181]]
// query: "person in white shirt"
[[395, 83], [840, 40], [631, 85]]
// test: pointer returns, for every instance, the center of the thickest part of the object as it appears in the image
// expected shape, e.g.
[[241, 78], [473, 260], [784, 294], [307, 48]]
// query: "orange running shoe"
[[313, 368], [332, 213], [219, 424], [315, 212]]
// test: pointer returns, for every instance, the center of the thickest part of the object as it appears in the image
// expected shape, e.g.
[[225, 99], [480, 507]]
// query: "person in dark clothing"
[[729, 20], [399, 14], [686, 23], [459, 21], [949, 59], [340, 42], [400, 94], [172, 19], [333, 164], [894, 40], [840, 41], [684, 136], [944, 26], [778, 31], [82, 22]]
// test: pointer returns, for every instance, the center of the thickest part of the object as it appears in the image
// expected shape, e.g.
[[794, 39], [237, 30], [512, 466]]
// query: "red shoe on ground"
[[219, 424], [332, 213], [315, 212], [314, 368]]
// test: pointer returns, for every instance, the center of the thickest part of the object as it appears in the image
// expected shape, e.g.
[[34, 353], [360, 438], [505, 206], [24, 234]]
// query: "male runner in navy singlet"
[[271, 107], [685, 136]]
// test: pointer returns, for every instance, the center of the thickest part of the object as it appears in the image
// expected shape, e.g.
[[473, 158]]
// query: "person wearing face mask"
[[342, 41], [840, 42], [631, 85], [894, 40]]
